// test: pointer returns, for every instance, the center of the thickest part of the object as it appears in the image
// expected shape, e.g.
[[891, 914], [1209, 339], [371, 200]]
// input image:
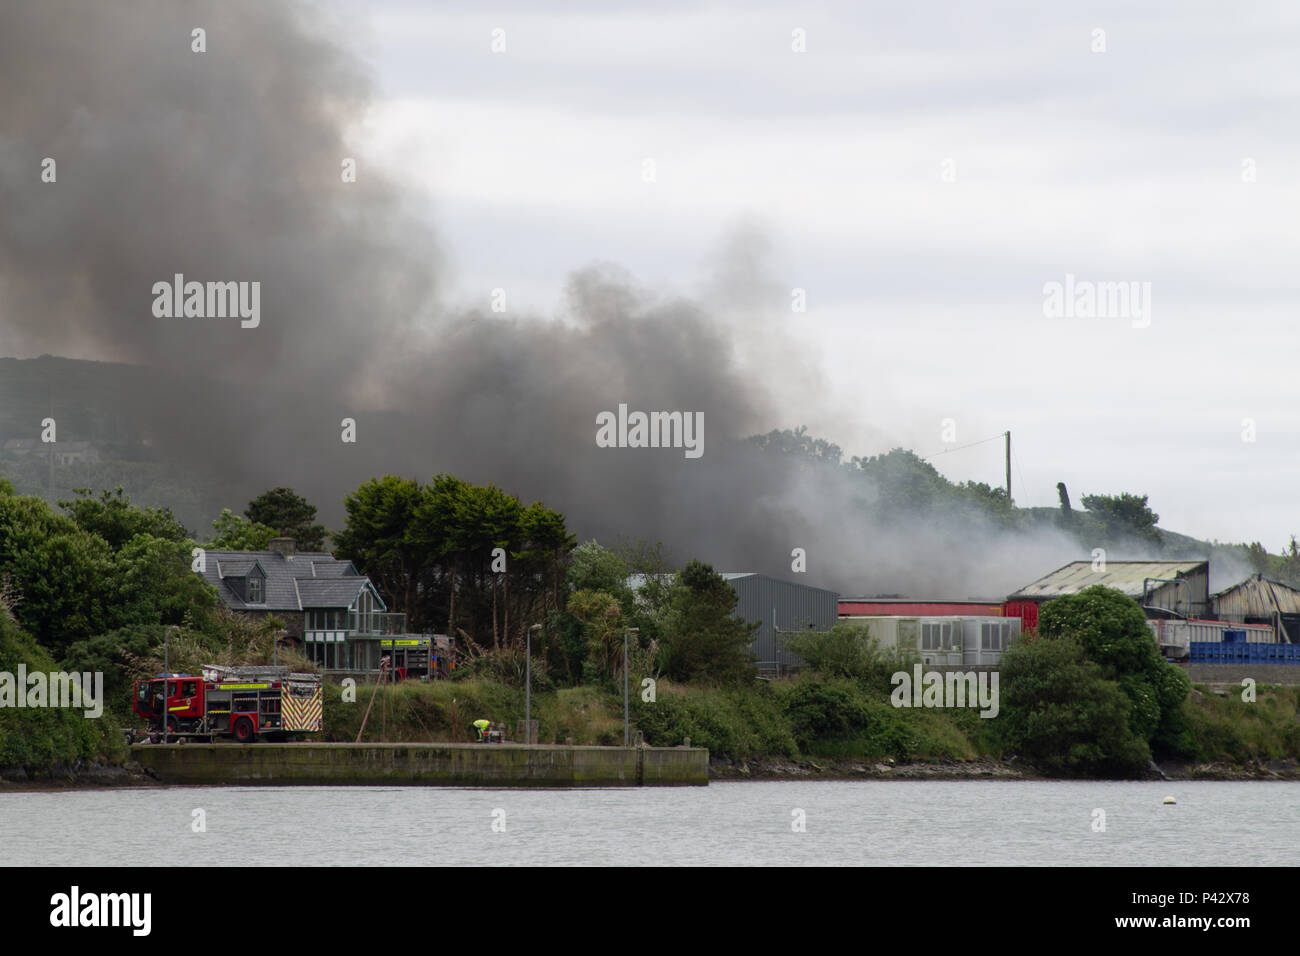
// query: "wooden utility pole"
[[1008, 467]]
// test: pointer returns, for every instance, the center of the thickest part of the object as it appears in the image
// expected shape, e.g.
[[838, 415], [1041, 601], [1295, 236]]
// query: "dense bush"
[[1112, 630], [38, 738], [849, 650], [731, 723], [1060, 712]]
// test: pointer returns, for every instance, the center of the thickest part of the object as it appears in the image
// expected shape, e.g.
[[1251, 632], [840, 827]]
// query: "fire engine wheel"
[[244, 731]]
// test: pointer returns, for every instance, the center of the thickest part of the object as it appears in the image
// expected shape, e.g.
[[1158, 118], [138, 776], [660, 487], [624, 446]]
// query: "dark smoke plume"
[[225, 165]]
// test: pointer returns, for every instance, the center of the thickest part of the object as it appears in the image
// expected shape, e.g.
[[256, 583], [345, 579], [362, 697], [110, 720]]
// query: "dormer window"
[[254, 589]]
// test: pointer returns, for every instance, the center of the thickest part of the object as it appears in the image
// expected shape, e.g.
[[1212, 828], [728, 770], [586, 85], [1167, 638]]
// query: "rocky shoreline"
[[132, 774], [783, 768], [80, 776]]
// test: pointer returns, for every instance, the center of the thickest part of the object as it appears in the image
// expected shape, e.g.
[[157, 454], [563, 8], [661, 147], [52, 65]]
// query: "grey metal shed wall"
[[1175, 596], [781, 607]]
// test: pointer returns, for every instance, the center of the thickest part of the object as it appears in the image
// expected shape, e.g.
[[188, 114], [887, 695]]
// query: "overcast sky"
[[920, 171], [924, 296]]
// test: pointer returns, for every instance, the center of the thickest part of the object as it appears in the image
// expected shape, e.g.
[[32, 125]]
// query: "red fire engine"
[[231, 702]]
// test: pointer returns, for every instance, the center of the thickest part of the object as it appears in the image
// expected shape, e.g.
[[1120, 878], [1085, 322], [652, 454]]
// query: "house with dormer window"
[[330, 610]]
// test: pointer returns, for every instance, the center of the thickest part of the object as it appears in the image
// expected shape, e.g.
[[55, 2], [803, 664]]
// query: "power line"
[[1016, 460], [998, 437]]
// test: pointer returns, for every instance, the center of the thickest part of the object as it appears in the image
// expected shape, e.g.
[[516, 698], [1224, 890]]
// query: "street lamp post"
[[627, 739], [167, 682], [528, 685]]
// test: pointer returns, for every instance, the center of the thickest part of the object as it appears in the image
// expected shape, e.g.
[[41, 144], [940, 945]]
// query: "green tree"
[[1124, 514], [846, 650], [69, 584], [489, 519], [150, 581], [55, 571], [380, 538], [646, 607], [702, 640], [849, 650], [438, 531], [602, 629], [1063, 495], [39, 737], [112, 517], [1059, 711], [1112, 630], [472, 558], [1110, 626], [549, 547], [593, 567], [800, 445], [232, 532], [291, 515]]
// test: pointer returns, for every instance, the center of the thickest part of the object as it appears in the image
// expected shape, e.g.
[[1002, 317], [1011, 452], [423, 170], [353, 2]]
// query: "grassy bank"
[[806, 718], [445, 711], [801, 718], [1227, 729]]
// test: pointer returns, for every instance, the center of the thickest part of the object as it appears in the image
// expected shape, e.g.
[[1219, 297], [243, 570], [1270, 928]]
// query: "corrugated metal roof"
[[1126, 576], [1257, 596]]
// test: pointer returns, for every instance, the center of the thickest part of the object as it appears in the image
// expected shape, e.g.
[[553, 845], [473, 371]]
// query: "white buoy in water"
[[1169, 800]]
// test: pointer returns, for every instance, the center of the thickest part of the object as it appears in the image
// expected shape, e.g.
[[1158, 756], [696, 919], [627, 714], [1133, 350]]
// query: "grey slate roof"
[[327, 578], [334, 569], [329, 592]]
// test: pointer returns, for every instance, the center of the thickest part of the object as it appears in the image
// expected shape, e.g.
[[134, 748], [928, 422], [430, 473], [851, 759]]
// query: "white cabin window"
[[995, 636], [937, 637]]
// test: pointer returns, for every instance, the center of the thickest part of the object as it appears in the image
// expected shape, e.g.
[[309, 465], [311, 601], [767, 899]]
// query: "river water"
[[737, 823]]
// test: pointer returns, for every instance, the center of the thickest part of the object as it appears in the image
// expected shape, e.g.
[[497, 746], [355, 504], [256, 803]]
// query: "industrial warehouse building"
[[780, 608], [1256, 621], [1165, 589], [1258, 600]]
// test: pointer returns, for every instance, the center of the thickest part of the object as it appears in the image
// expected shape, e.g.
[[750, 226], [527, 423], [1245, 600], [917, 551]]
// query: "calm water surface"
[[737, 823]]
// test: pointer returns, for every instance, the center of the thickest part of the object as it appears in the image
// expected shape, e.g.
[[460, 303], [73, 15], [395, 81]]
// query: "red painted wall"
[[1027, 611], [920, 608]]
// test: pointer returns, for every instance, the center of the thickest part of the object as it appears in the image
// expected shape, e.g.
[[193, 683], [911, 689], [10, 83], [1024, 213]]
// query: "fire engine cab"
[[242, 703]]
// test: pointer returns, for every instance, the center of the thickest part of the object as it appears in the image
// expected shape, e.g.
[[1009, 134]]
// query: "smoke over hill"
[[225, 166]]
